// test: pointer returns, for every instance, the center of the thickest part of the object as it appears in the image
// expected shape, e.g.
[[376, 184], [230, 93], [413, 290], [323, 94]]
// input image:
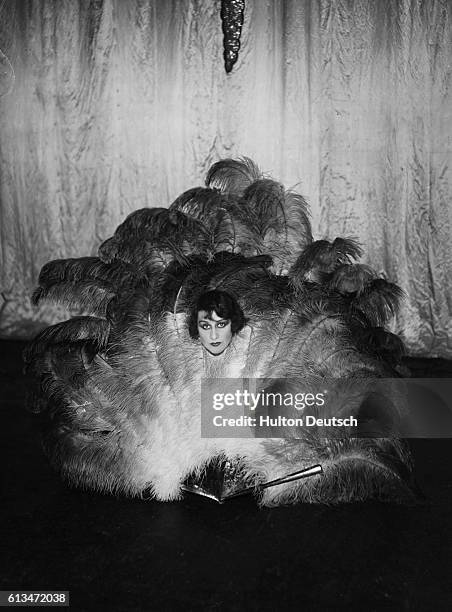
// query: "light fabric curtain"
[[121, 104]]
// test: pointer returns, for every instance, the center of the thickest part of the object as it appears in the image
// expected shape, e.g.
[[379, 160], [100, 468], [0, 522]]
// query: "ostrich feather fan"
[[118, 393]]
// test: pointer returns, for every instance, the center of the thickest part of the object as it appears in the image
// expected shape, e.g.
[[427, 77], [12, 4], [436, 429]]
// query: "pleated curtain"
[[108, 106]]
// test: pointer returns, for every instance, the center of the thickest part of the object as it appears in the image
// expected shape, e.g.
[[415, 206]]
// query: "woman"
[[215, 320]]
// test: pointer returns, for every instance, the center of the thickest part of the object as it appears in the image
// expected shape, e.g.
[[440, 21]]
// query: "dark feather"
[[126, 311], [89, 295], [108, 250], [152, 237], [240, 277], [379, 301], [60, 366], [312, 299], [277, 220], [232, 175], [83, 268], [225, 230], [143, 256], [207, 206], [198, 202], [86, 283], [159, 225], [266, 294], [383, 344], [92, 329], [262, 207], [291, 232], [321, 258], [227, 272], [362, 473], [351, 278], [297, 219], [139, 221]]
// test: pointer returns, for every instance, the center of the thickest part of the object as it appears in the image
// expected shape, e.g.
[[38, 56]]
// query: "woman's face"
[[214, 332]]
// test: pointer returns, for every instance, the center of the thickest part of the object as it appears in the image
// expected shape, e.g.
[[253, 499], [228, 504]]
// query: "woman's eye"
[[223, 323], [204, 326]]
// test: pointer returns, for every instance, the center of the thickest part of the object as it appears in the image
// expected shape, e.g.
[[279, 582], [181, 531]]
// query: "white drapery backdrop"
[[117, 105]]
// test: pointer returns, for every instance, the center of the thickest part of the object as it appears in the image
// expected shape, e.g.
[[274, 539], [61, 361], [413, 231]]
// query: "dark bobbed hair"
[[223, 304]]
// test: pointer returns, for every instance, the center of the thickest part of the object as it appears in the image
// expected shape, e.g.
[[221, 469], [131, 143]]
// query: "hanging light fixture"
[[232, 12]]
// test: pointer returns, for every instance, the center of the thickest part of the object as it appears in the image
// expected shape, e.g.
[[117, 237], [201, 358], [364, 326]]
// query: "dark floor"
[[117, 554]]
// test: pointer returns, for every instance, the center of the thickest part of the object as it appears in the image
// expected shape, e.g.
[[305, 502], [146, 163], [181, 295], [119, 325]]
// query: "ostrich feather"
[[351, 278], [240, 274], [227, 272], [278, 345], [233, 175], [152, 237], [262, 211], [321, 258], [159, 225], [299, 233], [198, 202], [267, 331], [225, 230], [60, 367], [311, 299], [86, 283], [88, 295], [206, 206], [292, 234], [142, 220], [93, 329], [108, 250], [126, 312], [83, 268], [267, 293], [262, 207], [379, 300], [277, 221], [385, 345], [355, 474], [144, 256]]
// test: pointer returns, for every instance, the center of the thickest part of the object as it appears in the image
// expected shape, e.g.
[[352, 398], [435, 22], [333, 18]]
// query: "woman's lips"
[[215, 343]]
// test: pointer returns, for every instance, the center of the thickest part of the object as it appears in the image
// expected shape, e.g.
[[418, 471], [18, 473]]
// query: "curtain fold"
[[120, 105]]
